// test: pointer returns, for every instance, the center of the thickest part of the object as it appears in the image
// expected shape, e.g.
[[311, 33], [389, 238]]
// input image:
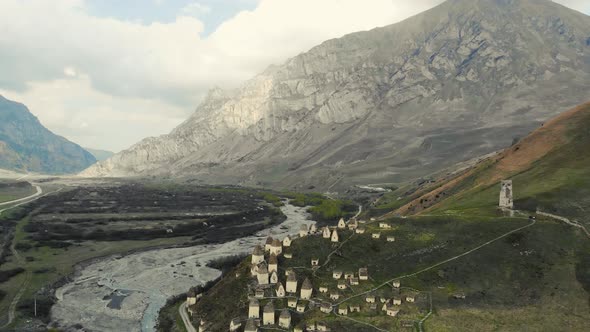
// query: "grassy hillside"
[[472, 267], [549, 168]]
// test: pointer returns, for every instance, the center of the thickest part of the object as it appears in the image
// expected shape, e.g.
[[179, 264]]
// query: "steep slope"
[[550, 169], [100, 155], [25, 145], [387, 105]]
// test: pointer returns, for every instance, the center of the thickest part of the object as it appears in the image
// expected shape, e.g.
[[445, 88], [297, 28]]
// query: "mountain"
[[100, 155], [461, 80], [550, 169], [27, 146]]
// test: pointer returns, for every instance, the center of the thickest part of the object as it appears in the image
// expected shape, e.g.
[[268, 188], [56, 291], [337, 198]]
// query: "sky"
[[108, 73]]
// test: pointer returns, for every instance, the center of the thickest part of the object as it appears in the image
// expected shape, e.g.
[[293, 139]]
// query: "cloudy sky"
[[107, 73]]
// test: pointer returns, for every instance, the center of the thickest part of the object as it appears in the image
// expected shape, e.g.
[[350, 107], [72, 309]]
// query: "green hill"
[[470, 266], [550, 169]]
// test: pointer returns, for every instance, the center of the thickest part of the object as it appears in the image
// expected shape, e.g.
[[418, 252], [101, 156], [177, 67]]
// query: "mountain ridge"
[[391, 95], [27, 146]]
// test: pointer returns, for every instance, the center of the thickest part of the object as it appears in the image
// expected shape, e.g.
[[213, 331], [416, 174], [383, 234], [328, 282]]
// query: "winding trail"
[[440, 263], [185, 319], [565, 220], [25, 200]]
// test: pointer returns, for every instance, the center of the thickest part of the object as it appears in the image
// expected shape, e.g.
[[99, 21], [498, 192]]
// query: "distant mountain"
[[100, 155], [388, 105], [550, 169], [27, 146]]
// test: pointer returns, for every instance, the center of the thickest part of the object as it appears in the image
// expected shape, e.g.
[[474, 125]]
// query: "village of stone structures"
[[283, 289], [376, 274]]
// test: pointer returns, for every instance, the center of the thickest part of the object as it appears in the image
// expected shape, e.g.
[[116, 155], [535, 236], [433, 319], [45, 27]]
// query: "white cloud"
[[129, 80], [196, 9], [70, 72]]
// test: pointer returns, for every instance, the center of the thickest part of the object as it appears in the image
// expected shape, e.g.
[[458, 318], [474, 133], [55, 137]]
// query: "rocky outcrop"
[[386, 105], [27, 146]]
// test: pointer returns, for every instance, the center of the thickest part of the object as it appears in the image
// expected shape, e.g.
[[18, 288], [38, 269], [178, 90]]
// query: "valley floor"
[[147, 279]]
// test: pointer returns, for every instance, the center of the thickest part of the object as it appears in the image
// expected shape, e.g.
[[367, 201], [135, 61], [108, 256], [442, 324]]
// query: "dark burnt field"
[[140, 212]]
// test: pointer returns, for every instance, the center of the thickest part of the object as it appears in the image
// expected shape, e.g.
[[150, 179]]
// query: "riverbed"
[[142, 282]]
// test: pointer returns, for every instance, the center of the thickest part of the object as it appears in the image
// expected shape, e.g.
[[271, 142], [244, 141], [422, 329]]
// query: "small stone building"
[[259, 293], [396, 284], [257, 255], [354, 308], [354, 281], [363, 274], [391, 239], [313, 229], [353, 224], [191, 297], [306, 289], [384, 225], [288, 254], [285, 319], [268, 243], [321, 326], [397, 301], [376, 236], [341, 223], [391, 310], [292, 283], [348, 275], [336, 274], [301, 306], [262, 275], [326, 233], [276, 247], [303, 231], [410, 298], [315, 261], [341, 284], [334, 296], [292, 302], [360, 230], [280, 291], [326, 308], [273, 264], [274, 277], [234, 325], [370, 298], [323, 289], [268, 314], [287, 241], [343, 310], [254, 309], [251, 326], [334, 238]]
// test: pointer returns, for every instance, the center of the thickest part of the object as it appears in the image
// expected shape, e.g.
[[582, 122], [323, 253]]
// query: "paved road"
[[38, 193], [28, 274], [185, 318]]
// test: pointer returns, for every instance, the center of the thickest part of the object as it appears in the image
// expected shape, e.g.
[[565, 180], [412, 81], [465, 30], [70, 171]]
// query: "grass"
[[519, 272], [10, 194]]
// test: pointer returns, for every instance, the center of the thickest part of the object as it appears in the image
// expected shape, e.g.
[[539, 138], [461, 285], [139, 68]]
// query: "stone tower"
[[506, 196]]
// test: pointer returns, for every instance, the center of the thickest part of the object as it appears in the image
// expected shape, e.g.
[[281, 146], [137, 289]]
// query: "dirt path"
[[38, 192], [565, 220], [187, 321]]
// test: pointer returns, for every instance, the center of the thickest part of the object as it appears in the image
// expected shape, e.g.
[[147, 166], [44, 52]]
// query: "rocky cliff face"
[[27, 146], [386, 105]]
